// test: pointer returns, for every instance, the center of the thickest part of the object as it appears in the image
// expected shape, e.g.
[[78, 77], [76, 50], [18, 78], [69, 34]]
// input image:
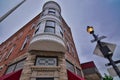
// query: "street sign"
[[109, 45], [112, 71], [99, 38]]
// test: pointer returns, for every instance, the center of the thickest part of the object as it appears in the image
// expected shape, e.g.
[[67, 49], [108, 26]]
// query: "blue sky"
[[104, 15]]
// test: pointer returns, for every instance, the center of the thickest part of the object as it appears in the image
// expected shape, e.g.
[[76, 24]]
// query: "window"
[[50, 26], [73, 51], [8, 44], [3, 48], [20, 35], [14, 39], [33, 25], [37, 29], [70, 66], [16, 66], [19, 65], [61, 31], [46, 61], [78, 71], [68, 47], [25, 42], [51, 11], [3, 56], [9, 53], [10, 68]]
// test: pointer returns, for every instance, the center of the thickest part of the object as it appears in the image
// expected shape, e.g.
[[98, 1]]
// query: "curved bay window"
[[50, 26]]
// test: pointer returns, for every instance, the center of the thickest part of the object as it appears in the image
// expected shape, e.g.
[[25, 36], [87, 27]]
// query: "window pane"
[[19, 65], [50, 29], [70, 66], [9, 53], [25, 42], [37, 28], [50, 23], [51, 11], [78, 72], [41, 61], [61, 31], [10, 69]]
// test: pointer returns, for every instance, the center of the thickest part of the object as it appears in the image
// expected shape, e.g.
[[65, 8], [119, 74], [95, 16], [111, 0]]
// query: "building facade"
[[90, 71], [43, 49]]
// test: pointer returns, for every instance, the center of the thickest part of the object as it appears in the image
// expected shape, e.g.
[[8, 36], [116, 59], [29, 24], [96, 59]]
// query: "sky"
[[103, 15]]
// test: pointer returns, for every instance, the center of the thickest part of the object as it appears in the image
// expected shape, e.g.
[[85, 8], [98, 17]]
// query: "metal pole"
[[114, 66], [106, 55]]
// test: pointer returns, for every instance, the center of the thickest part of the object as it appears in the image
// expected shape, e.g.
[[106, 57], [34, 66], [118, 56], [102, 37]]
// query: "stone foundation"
[[31, 71]]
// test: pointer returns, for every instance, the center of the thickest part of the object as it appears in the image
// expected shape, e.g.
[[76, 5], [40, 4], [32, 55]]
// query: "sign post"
[[104, 49]]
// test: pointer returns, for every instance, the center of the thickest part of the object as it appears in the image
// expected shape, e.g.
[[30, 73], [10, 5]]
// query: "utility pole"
[[10, 11]]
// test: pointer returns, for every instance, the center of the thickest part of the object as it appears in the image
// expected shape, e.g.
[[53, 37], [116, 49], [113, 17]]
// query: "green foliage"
[[106, 77]]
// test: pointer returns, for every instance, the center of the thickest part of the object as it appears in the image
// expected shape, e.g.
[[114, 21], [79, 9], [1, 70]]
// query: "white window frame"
[[25, 42]]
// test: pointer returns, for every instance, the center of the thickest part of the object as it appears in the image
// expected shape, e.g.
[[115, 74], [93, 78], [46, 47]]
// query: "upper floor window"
[[73, 51], [37, 28], [20, 35], [9, 53], [61, 31], [2, 56], [50, 26], [51, 11], [25, 42], [68, 47], [33, 25]]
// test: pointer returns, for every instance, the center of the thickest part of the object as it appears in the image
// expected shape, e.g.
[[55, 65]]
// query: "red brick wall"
[[17, 40]]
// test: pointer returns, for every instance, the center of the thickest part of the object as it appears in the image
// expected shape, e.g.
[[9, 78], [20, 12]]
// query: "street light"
[[104, 49], [90, 29]]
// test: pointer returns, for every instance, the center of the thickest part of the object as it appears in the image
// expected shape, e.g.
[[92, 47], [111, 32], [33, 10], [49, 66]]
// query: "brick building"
[[43, 49], [90, 71]]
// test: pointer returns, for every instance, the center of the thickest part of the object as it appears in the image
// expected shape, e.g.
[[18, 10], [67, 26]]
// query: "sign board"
[[112, 71], [110, 46]]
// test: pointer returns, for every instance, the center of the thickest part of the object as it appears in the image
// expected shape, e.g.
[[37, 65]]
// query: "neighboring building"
[[90, 71], [43, 49]]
